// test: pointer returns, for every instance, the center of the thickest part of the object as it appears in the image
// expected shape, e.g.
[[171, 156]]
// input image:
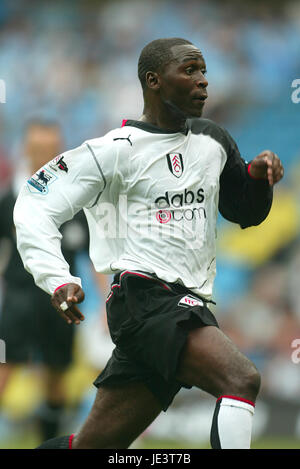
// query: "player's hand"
[[65, 299], [268, 166]]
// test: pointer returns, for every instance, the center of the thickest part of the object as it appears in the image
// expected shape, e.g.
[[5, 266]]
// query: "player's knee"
[[247, 384], [253, 381]]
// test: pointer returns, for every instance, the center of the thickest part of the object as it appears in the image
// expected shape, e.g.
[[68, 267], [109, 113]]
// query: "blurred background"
[[75, 64]]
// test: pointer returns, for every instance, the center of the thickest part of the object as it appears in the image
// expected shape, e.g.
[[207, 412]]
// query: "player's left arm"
[[246, 189]]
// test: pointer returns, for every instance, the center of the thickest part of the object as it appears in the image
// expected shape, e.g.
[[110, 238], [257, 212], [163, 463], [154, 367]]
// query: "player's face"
[[183, 82]]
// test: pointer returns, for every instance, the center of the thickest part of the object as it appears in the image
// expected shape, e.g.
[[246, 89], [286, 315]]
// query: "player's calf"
[[232, 423], [212, 362], [232, 420]]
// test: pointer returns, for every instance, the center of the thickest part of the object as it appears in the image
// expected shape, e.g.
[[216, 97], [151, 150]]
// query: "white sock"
[[232, 423]]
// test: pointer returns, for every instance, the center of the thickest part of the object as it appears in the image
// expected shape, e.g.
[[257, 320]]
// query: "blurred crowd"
[[78, 60], [76, 63]]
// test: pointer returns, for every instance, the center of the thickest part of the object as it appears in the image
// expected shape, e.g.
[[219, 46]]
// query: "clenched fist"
[[268, 166]]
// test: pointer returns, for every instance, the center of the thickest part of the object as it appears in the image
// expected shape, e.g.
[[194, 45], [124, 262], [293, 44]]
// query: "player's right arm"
[[49, 198]]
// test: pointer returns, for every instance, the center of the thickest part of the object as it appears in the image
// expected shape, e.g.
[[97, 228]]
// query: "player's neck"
[[164, 117]]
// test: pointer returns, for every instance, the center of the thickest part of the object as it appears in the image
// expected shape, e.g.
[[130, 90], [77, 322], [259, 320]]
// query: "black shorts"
[[149, 321], [32, 329]]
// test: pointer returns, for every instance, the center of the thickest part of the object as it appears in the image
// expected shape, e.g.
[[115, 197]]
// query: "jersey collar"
[[150, 127]]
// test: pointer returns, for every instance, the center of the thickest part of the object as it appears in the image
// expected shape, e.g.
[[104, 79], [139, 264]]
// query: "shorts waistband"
[[173, 287], [118, 277]]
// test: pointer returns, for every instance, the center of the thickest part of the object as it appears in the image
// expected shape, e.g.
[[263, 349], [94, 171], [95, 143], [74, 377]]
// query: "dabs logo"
[[2, 92], [180, 206], [296, 93], [40, 181]]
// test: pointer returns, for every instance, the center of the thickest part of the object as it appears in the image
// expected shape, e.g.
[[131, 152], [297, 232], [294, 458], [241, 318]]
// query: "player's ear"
[[153, 80]]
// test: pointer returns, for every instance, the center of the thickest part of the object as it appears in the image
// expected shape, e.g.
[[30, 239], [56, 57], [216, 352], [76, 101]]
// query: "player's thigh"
[[119, 415], [212, 362]]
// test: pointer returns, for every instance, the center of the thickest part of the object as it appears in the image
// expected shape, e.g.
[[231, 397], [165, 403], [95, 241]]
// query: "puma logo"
[[127, 138]]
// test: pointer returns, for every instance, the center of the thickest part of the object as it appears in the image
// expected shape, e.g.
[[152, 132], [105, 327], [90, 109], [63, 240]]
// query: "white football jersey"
[[151, 199]]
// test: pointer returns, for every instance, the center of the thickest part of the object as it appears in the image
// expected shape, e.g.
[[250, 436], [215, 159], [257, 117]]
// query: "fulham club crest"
[[175, 163]]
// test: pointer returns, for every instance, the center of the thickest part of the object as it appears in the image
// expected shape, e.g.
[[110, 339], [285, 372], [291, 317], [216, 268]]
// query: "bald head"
[[156, 55]]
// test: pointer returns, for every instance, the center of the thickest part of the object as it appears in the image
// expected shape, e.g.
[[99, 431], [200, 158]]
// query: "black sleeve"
[[242, 199]]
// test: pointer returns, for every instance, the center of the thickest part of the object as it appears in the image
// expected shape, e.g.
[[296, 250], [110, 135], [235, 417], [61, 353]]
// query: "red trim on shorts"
[[116, 285], [237, 399], [60, 287], [124, 122], [70, 440]]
